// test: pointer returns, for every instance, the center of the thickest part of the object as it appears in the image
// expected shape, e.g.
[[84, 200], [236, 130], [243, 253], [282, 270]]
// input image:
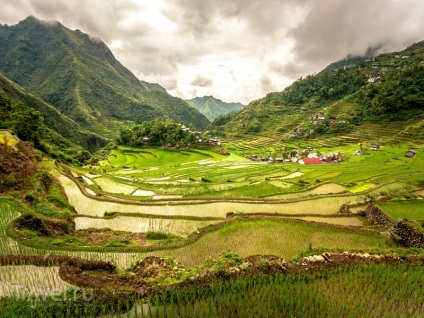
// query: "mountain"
[[212, 107], [57, 130], [81, 78], [387, 90], [153, 87]]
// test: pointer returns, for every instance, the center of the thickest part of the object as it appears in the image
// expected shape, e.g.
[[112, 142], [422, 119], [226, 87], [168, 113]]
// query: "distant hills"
[[212, 107], [81, 78], [385, 89]]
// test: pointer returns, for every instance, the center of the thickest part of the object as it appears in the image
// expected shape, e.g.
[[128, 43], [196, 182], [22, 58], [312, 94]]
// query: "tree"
[[28, 123]]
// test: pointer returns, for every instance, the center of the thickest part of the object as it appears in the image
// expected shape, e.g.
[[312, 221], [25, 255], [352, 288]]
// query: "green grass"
[[412, 210], [285, 239]]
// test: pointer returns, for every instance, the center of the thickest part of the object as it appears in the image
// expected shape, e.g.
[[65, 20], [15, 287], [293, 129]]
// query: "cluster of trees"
[[397, 96], [159, 132], [25, 121], [29, 125]]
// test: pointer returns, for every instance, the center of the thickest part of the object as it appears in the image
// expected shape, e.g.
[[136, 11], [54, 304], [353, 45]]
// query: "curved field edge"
[[97, 206], [285, 238], [200, 233], [297, 196], [229, 234]]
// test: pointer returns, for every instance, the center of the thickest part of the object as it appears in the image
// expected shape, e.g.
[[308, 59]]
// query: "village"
[[305, 157]]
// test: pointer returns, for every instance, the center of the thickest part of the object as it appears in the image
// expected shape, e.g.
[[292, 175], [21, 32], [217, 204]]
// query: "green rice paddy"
[[412, 210]]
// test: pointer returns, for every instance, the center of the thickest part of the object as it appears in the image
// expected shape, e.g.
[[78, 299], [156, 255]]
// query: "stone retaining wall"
[[377, 217], [407, 234]]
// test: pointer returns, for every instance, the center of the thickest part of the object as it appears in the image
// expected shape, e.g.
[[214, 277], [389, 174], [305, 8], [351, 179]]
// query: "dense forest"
[[156, 132]]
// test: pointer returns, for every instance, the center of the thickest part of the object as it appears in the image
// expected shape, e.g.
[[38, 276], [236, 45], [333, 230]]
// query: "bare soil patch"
[[99, 237]]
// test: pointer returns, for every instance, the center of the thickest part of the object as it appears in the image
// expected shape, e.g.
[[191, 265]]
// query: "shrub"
[[46, 179], [30, 198], [29, 221]]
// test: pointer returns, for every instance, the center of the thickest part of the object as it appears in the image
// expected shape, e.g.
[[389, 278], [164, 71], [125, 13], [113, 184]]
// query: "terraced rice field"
[[175, 192], [133, 224], [272, 237], [412, 210], [37, 281]]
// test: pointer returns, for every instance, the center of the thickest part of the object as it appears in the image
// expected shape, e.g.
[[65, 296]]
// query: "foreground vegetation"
[[364, 291], [361, 291]]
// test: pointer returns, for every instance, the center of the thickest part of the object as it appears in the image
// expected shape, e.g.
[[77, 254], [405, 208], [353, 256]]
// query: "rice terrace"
[[118, 199]]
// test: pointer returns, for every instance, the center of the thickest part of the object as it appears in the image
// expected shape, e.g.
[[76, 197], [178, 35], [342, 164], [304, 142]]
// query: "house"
[[309, 161], [375, 147], [410, 153], [145, 140], [348, 67]]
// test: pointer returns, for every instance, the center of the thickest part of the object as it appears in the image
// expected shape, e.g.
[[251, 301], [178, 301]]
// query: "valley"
[[118, 199], [149, 201]]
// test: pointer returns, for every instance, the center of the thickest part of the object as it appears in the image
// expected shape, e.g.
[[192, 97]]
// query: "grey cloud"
[[334, 29], [266, 85], [200, 81], [321, 32], [203, 18]]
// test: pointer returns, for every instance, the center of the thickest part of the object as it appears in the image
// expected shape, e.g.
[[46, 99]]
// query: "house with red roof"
[[309, 161]]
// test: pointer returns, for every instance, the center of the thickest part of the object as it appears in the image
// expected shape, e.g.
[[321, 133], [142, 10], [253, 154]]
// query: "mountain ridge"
[[81, 78], [213, 107], [387, 88]]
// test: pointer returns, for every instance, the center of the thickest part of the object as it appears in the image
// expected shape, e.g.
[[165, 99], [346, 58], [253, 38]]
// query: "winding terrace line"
[[187, 201]]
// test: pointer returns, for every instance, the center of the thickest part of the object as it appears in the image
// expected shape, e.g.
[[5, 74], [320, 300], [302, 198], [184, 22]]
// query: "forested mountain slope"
[[34, 120], [80, 77], [386, 88]]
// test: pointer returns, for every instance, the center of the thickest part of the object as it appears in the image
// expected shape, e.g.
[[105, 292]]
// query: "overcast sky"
[[236, 50]]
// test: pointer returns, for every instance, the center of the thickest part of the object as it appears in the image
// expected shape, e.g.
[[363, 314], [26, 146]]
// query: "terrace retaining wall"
[[377, 217], [405, 233]]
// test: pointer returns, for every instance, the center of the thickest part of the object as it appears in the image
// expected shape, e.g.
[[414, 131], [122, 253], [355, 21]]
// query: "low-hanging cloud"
[[201, 82], [264, 44], [333, 29]]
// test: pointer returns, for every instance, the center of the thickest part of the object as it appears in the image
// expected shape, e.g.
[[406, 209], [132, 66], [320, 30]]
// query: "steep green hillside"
[[80, 77], [153, 87], [386, 89], [212, 107], [34, 120]]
